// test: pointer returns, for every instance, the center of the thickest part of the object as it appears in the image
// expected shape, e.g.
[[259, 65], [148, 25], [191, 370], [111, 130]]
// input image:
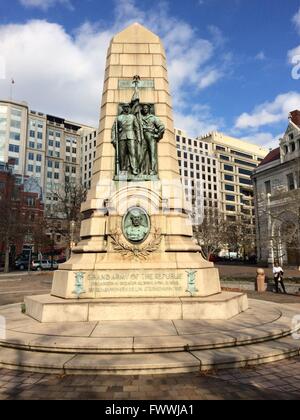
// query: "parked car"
[[37, 265], [22, 264]]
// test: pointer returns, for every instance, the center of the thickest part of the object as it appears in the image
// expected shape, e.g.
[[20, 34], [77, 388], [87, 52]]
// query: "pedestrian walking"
[[278, 277]]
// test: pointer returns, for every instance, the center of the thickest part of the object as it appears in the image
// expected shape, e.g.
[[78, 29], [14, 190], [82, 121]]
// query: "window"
[[268, 187], [13, 148], [245, 172], [229, 188], [228, 168], [230, 197], [222, 149], [242, 162], [30, 156], [74, 150], [31, 133], [50, 143], [15, 124], [31, 144], [16, 160], [57, 144], [56, 165], [229, 178], [16, 112], [30, 168], [14, 136], [57, 134], [56, 175], [50, 164], [230, 208], [39, 158], [38, 169], [224, 157], [245, 181], [49, 175], [40, 136], [51, 133], [68, 149], [291, 182], [39, 146], [244, 155], [30, 202]]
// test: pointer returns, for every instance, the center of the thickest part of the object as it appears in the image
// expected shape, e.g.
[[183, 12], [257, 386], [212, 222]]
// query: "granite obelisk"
[[136, 235]]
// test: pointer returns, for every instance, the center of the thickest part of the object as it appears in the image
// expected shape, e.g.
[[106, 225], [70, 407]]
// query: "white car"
[[43, 265]]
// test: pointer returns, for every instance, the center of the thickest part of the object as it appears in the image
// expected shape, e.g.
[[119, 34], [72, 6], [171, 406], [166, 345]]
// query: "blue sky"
[[230, 61]]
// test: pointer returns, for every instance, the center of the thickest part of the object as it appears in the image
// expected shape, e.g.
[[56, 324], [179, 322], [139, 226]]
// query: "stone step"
[[250, 355], [146, 344], [153, 363]]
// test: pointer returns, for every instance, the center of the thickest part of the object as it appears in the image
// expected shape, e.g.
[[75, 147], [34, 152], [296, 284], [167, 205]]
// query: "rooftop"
[[271, 157]]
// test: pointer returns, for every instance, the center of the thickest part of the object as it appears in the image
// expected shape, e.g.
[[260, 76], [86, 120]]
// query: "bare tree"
[[65, 216], [212, 234]]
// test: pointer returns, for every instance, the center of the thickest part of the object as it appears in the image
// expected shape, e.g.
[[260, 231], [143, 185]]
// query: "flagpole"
[[11, 89]]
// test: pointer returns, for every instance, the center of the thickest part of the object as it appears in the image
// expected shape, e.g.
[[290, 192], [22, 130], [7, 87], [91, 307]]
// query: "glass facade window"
[[16, 112], [245, 172], [228, 168], [242, 162], [245, 181], [15, 136], [230, 208], [230, 197], [15, 124], [13, 148], [229, 178], [223, 157], [229, 187]]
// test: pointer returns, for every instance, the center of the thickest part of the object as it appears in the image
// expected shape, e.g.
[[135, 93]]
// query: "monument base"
[[222, 306]]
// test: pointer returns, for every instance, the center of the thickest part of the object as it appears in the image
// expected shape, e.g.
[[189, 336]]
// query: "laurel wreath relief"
[[140, 252]]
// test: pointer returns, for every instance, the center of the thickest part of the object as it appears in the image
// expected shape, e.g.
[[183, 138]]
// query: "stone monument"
[[137, 258]]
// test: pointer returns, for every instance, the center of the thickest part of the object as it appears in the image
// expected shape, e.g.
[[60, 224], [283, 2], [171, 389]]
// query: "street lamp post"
[[72, 228]]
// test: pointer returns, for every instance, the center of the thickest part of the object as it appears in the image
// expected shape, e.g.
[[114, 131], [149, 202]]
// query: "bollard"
[[260, 285]]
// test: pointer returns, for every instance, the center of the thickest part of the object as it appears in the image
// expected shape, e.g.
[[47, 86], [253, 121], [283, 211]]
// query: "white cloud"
[[63, 74], [270, 113], [261, 56], [54, 72], [265, 139], [296, 20], [45, 4]]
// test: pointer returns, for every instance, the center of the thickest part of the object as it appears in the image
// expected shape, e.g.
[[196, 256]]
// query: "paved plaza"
[[279, 380], [276, 381]]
